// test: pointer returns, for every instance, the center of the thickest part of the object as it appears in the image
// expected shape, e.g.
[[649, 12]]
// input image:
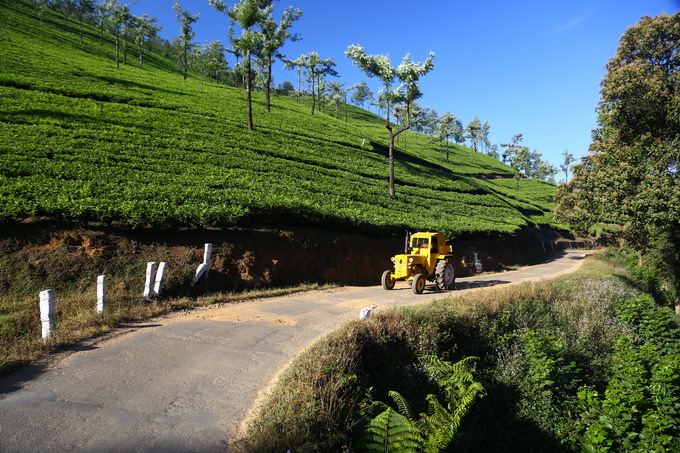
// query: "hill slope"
[[80, 139]]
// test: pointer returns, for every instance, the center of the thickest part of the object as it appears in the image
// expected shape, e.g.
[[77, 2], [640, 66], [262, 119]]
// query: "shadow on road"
[[480, 284]]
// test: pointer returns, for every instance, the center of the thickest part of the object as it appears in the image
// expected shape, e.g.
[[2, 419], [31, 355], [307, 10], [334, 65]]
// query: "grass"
[[20, 340], [139, 146], [538, 344]]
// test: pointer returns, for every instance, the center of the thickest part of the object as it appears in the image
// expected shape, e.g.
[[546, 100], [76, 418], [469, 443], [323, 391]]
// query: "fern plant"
[[432, 432]]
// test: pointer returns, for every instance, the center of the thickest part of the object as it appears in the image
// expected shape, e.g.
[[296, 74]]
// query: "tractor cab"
[[427, 257]]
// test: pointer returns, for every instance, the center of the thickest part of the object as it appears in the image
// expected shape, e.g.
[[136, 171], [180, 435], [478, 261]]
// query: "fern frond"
[[402, 405], [390, 431], [450, 374]]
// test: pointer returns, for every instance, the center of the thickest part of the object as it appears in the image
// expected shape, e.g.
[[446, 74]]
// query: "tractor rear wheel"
[[444, 275], [418, 284], [387, 280]]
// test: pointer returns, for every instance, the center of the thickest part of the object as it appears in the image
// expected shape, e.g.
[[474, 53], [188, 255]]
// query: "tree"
[[446, 124], [316, 69], [511, 148], [338, 93], [630, 176], [484, 136], [120, 16], [103, 13], [474, 133], [144, 27], [275, 36], [408, 73], [362, 95], [285, 88], [247, 14], [566, 164], [300, 65], [186, 34], [83, 8], [458, 131]]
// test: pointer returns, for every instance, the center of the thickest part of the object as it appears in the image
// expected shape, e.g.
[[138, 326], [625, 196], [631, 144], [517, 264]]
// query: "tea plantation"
[[140, 146]]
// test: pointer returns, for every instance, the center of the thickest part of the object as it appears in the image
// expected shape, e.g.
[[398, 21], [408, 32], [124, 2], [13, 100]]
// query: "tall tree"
[[630, 176], [361, 95], [511, 148], [247, 14], [474, 133], [186, 34], [120, 16], [83, 9], [275, 36], [144, 27], [458, 131], [300, 65], [317, 69], [565, 166], [103, 15], [446, 124], [408, 73]]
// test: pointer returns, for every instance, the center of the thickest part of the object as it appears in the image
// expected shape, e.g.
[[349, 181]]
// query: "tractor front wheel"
[[444, 275], [418, 284], [387, 280]]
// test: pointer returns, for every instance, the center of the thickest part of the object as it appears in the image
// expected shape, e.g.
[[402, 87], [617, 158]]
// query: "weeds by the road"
[[20, 339], [546, 349]]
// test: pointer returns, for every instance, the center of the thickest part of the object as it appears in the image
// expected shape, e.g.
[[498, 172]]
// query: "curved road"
[[184, 383]]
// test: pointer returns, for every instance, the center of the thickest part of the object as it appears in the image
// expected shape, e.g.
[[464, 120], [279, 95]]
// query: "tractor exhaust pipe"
[[406, 241]]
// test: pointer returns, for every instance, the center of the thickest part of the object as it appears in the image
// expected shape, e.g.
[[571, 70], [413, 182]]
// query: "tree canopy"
[[408, 73], [630, 176]]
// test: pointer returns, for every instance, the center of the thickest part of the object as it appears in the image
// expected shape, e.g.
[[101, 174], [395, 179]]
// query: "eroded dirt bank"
[[61, 252]]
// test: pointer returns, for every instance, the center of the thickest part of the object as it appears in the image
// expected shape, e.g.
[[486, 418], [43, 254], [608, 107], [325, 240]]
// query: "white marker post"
[[364, 314], [47, 312], [207, 258], [101, 294], [148, 284], [202, 269], [160, 275]]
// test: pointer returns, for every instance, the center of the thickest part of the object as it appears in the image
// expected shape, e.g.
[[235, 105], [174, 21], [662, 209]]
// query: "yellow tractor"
[[427, 258]]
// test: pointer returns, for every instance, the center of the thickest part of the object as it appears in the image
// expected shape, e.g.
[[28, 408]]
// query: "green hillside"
[[80, 139]]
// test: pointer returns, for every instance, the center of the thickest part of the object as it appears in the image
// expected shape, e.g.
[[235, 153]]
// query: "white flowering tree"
[[247, 14], [408, 74]]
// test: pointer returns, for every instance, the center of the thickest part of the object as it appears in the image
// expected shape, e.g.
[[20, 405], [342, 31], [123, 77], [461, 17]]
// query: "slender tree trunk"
[[185, 62], [80, 30], [447, 149], [269, 82], [345, 107], [390, 154], [313, 95], [299, 90], [248, 93], [141, 54], [125, 47], [393, 193], [117, 48], [101, 33]]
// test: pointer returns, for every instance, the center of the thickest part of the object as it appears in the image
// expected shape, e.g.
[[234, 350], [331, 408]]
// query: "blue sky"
[[531, 67]]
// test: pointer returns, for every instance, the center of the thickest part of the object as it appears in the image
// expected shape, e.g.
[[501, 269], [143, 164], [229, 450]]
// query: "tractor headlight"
[[410, 260], [392, 259]]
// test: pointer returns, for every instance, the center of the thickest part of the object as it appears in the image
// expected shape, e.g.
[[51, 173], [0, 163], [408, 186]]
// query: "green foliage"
[[639, 408], [390, 431], [630, 178], [433, 431], [140, 146]]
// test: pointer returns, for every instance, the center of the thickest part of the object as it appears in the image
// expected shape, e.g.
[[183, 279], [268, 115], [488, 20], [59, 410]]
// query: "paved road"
[[184, 383]]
